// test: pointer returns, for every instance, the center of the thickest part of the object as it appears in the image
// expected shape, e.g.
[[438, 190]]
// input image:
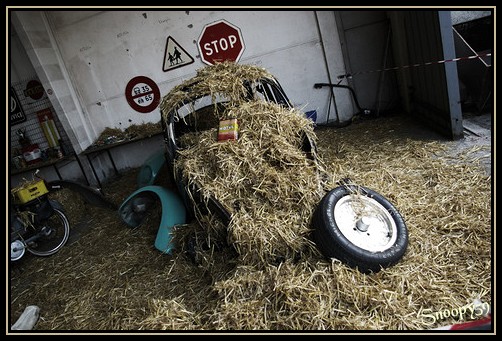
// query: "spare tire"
[[359, 227]]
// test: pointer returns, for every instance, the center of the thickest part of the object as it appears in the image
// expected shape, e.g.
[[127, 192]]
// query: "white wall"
[[366, 36], [20, 67], [104, 50], [99, 52]]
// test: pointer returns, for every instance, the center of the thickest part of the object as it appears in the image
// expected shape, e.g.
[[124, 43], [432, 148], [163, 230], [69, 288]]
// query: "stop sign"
[[220, 41]]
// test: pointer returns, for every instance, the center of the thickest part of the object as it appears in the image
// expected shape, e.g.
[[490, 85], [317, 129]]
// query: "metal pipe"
[[337, 120], [320, 85], [382, 75]]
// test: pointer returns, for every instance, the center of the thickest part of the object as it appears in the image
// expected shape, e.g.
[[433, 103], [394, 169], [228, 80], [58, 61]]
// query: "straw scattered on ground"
[[113, 278], [264, 179]]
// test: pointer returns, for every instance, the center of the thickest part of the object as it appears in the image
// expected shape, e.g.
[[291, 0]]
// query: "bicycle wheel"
[[54, 233]]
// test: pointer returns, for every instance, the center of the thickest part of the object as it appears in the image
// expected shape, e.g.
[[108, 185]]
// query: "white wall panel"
[[99, 52], [103, 51]]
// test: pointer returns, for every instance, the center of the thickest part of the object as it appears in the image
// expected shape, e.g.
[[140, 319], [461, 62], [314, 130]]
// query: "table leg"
[[93, 170], [113, 163], [57, 171], [82, 170]]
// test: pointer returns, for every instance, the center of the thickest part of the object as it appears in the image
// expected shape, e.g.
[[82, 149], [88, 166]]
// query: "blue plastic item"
[[133, 210], [312, 115], [151, 168]]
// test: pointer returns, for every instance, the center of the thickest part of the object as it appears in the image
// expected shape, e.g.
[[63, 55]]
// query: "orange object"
[[228, 130]]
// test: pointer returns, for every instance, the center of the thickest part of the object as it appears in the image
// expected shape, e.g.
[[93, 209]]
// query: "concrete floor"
[[477, 137], [477, 134]]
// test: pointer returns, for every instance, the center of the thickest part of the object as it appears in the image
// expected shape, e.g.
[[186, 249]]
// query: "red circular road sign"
[[220, 41], [142, 94]]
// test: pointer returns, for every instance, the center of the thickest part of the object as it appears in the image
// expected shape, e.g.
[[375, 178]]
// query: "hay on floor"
[[114, 279], [264, 179]]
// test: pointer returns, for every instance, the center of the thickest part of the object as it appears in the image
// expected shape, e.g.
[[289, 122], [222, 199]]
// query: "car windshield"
[[267, 90], [198, 112], [234, 82]]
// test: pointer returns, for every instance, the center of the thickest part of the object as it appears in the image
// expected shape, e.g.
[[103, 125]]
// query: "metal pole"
[[337, 120], [382, 76]]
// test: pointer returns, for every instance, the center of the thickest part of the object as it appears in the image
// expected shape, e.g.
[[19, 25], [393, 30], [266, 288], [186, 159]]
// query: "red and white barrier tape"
[[349, 75], [482, 324]]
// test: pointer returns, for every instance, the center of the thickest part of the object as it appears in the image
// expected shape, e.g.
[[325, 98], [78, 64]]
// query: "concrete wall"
[[367, 47], [458, 17], [20, 66], [104, 50], [87, 58]]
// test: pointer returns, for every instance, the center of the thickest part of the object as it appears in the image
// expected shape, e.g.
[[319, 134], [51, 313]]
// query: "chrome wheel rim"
[[365, 222]]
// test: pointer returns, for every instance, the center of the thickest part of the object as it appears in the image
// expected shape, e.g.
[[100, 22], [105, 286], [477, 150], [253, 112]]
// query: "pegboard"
[[32, 104]]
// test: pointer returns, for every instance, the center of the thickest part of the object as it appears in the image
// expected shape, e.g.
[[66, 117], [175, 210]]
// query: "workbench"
[[94, 151], [57, 164]]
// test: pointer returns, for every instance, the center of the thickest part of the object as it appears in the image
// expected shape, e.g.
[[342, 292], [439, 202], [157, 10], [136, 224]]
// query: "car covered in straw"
[[240, 153]]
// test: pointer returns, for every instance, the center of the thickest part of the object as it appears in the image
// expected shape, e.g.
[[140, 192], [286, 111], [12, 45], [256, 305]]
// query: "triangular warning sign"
[[175, 56]]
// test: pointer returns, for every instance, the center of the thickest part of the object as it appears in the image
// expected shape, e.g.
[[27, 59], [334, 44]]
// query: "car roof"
[[227, 78]]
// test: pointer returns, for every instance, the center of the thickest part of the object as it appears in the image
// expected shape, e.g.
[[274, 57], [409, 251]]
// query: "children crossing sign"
[[175, 56]]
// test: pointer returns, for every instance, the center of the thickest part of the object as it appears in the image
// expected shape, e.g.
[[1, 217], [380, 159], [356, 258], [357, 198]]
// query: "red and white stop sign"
[[220, 41]]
